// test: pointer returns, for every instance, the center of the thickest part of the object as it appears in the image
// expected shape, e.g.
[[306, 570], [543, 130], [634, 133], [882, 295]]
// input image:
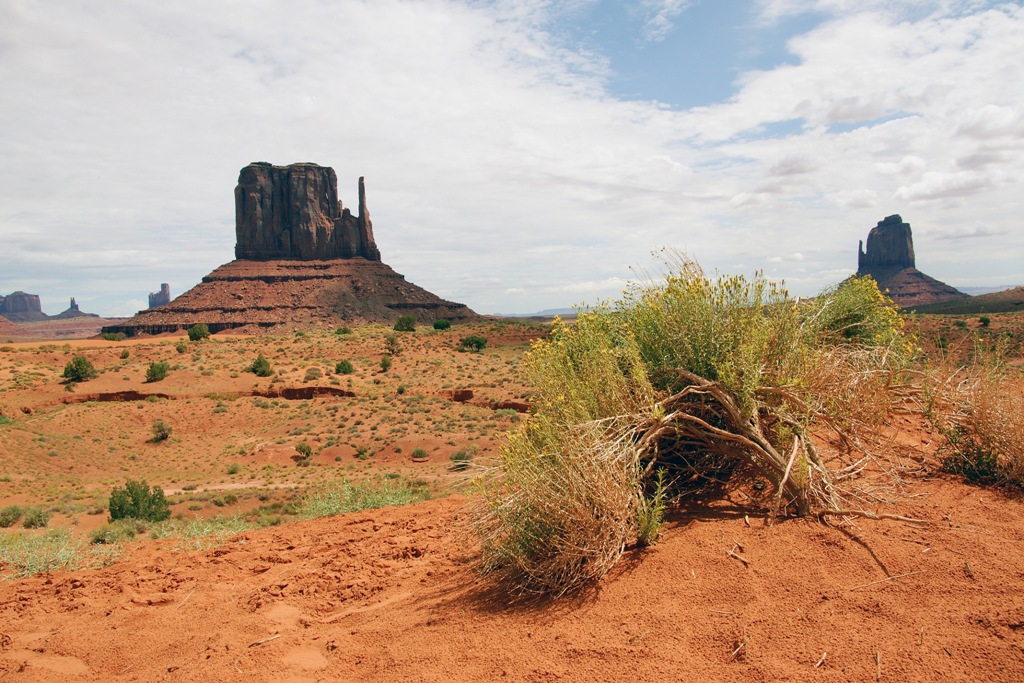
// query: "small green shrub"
[[961, 324], [138, 501], [124, 354], [474, 343], [419, 454], [304, 449], [157, 371], [234, 468], [391, 344], [161, 431], [343, 330], [10, 515], [117, 531], [181, 347], [313, 374], [198, 332], [344, 367], [985, 321], [442, 325], [35, 518], [79, 369], [462, 457], [113, 336], [405, 323], [385, 363], [261, 367]]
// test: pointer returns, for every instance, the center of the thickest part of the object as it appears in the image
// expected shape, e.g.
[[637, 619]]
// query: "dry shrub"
[[690, 380], [977, 408]]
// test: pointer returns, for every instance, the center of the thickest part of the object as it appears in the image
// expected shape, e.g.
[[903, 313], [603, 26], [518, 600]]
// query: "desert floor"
[[391, 593]]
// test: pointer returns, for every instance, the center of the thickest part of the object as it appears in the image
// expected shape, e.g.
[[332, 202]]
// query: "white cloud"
[[500, 170], [661, 16]]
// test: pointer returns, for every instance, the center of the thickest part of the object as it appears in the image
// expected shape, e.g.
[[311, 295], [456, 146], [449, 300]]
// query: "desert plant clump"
[[442, 325], [261, 367], [157, 371], [405, 323], [344, 367], [691, 384], [391, 344], [181, 347], [136, 500], [984, 320], [385, 363], [10, 515], [343, 330], [305, 452], [79, 369], [419, 454], [976, 408], [312, 374], [474, 343], [35, 517], [112, 336], [198, 332], [161, 431]]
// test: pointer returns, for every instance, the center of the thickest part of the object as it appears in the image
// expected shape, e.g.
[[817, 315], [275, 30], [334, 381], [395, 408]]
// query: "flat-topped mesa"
[[293, 212], [890, 247]]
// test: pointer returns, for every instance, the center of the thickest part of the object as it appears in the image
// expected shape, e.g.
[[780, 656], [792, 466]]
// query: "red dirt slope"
[[388, 595]]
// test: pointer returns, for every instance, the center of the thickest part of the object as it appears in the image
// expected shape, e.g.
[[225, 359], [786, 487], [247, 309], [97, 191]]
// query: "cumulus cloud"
[[496, 157]]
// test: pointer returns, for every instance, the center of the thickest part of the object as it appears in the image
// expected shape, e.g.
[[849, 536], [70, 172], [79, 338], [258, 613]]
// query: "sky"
[[519, 155]]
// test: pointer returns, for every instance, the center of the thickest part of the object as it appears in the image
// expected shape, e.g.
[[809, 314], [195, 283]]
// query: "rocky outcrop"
[[889, 259], [303, 261], [21, 307], [161, 298], [72, 311], [293, 212]]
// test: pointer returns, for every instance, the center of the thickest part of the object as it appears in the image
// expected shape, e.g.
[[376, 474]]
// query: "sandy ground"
[[390, 595]]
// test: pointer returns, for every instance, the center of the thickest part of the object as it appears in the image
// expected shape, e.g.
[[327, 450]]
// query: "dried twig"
[[265, 640], [822, 660], [741, 646], [889, 578], [178, 606], [878, 665], [745, 561]]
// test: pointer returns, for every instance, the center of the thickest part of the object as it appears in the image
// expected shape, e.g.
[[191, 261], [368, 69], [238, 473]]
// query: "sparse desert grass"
[[57, 549]]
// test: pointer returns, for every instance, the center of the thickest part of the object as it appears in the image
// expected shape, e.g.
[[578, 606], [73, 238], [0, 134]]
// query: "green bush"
[[198, 332], [35, 518], [112, 336], [462, 457], [344, 367], [343, 330], [181, 347], [716, 380], [385, 363], [157, 371], [473, 342], [79, 369], [961, 324], [419, 454], [312, 374], [234, 468], [985, 320], [161, 431], [304, 449], [261, 367], [10, 515], [124, 354], [117, 531], [405, 323], [391, 344], [138, 501], [442, 325]]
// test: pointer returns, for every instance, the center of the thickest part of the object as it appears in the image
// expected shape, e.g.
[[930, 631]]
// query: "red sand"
[[389, 595]]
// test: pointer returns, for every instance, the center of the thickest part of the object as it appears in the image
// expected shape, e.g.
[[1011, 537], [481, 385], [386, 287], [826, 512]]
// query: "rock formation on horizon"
[[889, 259], [161, 298], [302, 260], [72, 311], [21, 307]]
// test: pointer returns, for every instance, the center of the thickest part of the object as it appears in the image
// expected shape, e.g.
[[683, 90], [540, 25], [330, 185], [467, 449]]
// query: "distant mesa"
[[889, 259], [21, 307], [161, 298], [302, 260]]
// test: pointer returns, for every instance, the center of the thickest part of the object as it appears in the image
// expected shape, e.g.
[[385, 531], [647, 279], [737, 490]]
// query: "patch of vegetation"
[[442, 325], [344, 497], [343, 330], [35, 517], [136, 500], [181, 347], [312, 374], [419, 454], [344, 367], [157, 371], [28, 554], [198, 332], [79, 369], [687, 386], [463, 457], [161, 431], [474, 343], [10, 515], [261, 367], [112, 336], [405, 323], [385, 363]]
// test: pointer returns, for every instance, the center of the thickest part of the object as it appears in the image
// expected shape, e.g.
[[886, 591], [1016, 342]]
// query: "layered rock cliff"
[[21, 307], [293, 211], [889, 259]]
